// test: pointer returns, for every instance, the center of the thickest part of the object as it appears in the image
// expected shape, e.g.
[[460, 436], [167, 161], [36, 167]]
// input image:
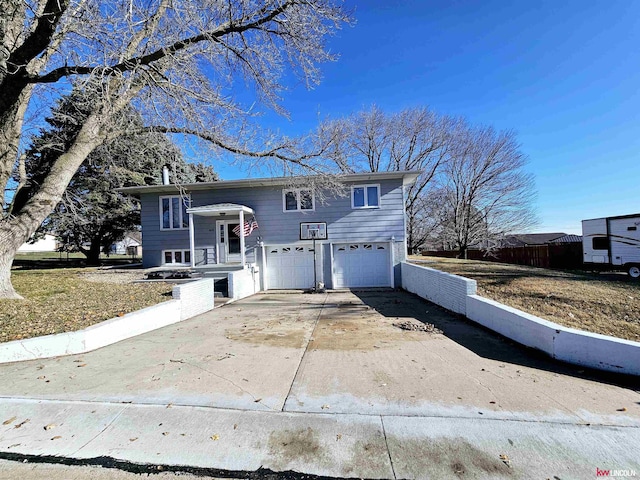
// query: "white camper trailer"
[[612, 243]]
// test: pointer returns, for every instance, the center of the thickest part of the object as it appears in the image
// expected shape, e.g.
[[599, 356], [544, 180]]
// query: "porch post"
[[192, 241], [242, 259]]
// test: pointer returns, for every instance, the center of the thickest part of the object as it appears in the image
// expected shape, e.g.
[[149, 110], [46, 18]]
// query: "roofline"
[[619, 217], [408, 177]]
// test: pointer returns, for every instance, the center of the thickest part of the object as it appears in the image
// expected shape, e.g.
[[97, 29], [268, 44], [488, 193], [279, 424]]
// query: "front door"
[[228, 242]]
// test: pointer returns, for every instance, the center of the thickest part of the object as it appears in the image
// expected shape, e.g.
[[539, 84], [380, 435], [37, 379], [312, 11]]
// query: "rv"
[[612, 243]]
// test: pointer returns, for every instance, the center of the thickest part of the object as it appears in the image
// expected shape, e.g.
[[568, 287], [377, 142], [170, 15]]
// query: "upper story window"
[[365, 196], [173, 213], [298, 200]]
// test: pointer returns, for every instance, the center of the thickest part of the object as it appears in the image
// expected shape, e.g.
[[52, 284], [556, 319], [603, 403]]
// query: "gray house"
[[268, 226]]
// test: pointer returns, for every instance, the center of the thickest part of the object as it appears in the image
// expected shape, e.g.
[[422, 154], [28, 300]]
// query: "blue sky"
[[565, 75]]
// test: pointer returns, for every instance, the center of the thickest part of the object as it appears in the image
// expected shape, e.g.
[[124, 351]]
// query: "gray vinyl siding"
[[344, 224]]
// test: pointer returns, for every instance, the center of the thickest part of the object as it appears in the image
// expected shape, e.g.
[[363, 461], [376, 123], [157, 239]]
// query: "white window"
[[173, 212], [365, 196], [176, 256], [298, 200]]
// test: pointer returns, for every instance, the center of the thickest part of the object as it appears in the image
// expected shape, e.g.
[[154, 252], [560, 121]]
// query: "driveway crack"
[[256, 400], [384, 434], [304, 354]]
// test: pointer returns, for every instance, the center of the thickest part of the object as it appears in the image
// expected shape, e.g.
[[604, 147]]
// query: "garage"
[[289, 266], [361, 265]]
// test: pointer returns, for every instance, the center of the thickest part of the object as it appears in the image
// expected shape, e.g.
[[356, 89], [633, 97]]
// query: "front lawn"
[[69, 299], [601, 303]]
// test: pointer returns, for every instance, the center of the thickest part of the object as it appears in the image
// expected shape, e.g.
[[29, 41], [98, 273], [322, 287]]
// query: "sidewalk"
[[334, 445]]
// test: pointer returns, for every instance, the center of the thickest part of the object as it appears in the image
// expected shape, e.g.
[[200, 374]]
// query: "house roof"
[[134, 235], [568, 239], [408, 177], [522, 239], [219, 208]]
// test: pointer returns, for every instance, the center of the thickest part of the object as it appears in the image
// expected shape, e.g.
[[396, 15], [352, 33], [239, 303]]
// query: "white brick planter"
[[190, 299], [567, 344]]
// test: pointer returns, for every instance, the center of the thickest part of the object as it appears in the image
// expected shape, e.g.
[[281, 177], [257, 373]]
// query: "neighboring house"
[[529, 239], [131, 244], [567, 239], [360, 237], [46, 244]]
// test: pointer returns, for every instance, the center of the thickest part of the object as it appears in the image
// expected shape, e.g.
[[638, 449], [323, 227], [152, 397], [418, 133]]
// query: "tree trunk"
[[93, 254], [11, 238], [11, 121], [6, 288]]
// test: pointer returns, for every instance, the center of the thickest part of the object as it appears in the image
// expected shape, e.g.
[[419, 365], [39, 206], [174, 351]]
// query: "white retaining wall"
[[567, 344], [190, 299], [243, 283], [444, 289]]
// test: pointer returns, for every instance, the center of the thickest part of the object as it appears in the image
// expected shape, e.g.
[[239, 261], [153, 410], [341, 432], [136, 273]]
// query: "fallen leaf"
[[56, 437], [11, 420], [505, 459], [121, 314], [21, 423], [215, 437], [50, 426]]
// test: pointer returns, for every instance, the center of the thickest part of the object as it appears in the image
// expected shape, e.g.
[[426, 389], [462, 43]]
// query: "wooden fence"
[[564, 256]]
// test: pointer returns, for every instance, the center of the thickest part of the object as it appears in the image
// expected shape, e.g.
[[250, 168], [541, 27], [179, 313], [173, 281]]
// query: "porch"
[[227, 246]]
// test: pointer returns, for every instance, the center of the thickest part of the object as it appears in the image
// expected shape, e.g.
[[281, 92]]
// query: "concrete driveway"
[[337, 357]]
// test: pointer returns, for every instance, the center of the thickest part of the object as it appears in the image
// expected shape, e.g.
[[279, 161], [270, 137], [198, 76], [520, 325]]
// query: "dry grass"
[[64, 300], [601, 303]]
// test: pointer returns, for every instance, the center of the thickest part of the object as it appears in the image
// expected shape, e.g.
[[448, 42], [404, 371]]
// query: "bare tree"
[[413, 139], [483, 192], [181, 64]]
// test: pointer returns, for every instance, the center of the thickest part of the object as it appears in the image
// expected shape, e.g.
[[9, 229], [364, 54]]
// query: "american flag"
[[249, 226]]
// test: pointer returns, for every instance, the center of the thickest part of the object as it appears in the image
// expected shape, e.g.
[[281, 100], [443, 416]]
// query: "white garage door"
[[361, 265], [289, 267]]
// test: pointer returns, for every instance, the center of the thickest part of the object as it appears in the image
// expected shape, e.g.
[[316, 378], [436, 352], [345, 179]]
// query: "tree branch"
[[135, 62]]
